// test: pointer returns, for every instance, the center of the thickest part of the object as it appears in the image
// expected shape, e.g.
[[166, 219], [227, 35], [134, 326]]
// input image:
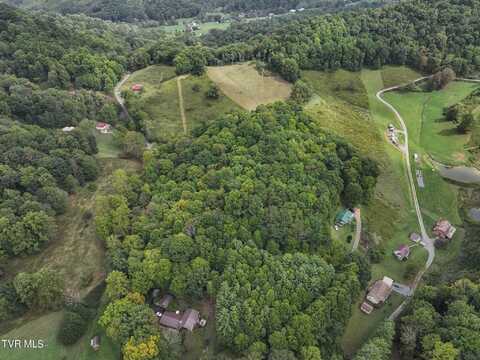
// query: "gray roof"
[[164, 301], [190, 319], [171, 320]]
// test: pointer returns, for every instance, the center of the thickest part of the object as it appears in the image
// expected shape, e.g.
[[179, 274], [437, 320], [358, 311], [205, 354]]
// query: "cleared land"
[[244, 85], [76, 251], [429, 131], [161, 101]]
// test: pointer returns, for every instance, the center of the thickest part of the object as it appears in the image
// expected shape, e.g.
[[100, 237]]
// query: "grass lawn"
[[45, 328], [150, 77], [197, 107], [397, 75], [245, 86], [107, 149], [339, 85]]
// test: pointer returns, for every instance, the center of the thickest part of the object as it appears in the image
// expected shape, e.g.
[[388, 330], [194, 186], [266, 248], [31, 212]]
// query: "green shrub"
[[72, 328]]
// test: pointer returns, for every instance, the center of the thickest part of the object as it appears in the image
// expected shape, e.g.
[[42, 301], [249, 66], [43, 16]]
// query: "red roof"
[[137, 87]]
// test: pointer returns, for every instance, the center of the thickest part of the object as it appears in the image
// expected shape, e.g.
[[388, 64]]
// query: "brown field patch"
[[244, 85]]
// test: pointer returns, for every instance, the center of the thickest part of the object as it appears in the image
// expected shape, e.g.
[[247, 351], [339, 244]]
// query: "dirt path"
[[117, 92], [358, 229], [181, 102]]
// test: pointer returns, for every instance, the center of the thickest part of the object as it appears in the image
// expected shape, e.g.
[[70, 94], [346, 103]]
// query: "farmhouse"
[[104, 128], [137, 87], [176, 320], [444, 230], [344, 217], [379, 292], [402, 253]]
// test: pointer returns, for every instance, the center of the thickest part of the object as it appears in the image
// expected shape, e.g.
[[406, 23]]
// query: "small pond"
[[474, 213], [462, 174]]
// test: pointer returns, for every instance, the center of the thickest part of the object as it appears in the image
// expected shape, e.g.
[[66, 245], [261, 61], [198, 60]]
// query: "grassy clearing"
[[203, 27], [162, 105], [245, 86], [75, 252], [339, 85], [198, 108], [361, 325], [107, 149], [428, 131], [397, 75], [151, 77], [45, 328]]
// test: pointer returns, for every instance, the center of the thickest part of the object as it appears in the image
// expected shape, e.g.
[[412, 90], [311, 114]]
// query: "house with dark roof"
[[189, 320], [444, 230], [402, 253], [379, 292]]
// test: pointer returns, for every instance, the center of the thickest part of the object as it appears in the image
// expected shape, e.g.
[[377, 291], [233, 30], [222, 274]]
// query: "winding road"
[[427, 242]]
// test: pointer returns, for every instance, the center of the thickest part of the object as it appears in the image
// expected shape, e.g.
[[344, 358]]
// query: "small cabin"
[[137, 87], [95, 343], [344, 217]]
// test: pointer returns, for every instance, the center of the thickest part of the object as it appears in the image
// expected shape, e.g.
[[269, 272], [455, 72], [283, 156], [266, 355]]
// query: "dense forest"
[[242, 212], [443, 322], [423, 34], [37, 169], [63, 52]]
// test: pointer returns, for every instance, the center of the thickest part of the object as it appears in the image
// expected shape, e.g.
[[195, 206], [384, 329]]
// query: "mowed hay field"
[[244, 85], [428, 129]]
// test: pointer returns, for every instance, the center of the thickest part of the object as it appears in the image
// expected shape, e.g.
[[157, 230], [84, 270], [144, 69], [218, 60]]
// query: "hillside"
[[167, 11]]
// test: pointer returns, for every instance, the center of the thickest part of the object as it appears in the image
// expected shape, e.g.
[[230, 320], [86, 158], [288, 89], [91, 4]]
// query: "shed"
[[137, 87], [402, 253], [366, 308], [344, 217], [68, 128], [164, 301], [415, 237], [95, 342], [379, 292]]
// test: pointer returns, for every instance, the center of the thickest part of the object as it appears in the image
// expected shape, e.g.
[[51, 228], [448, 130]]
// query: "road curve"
[[428, 243]]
